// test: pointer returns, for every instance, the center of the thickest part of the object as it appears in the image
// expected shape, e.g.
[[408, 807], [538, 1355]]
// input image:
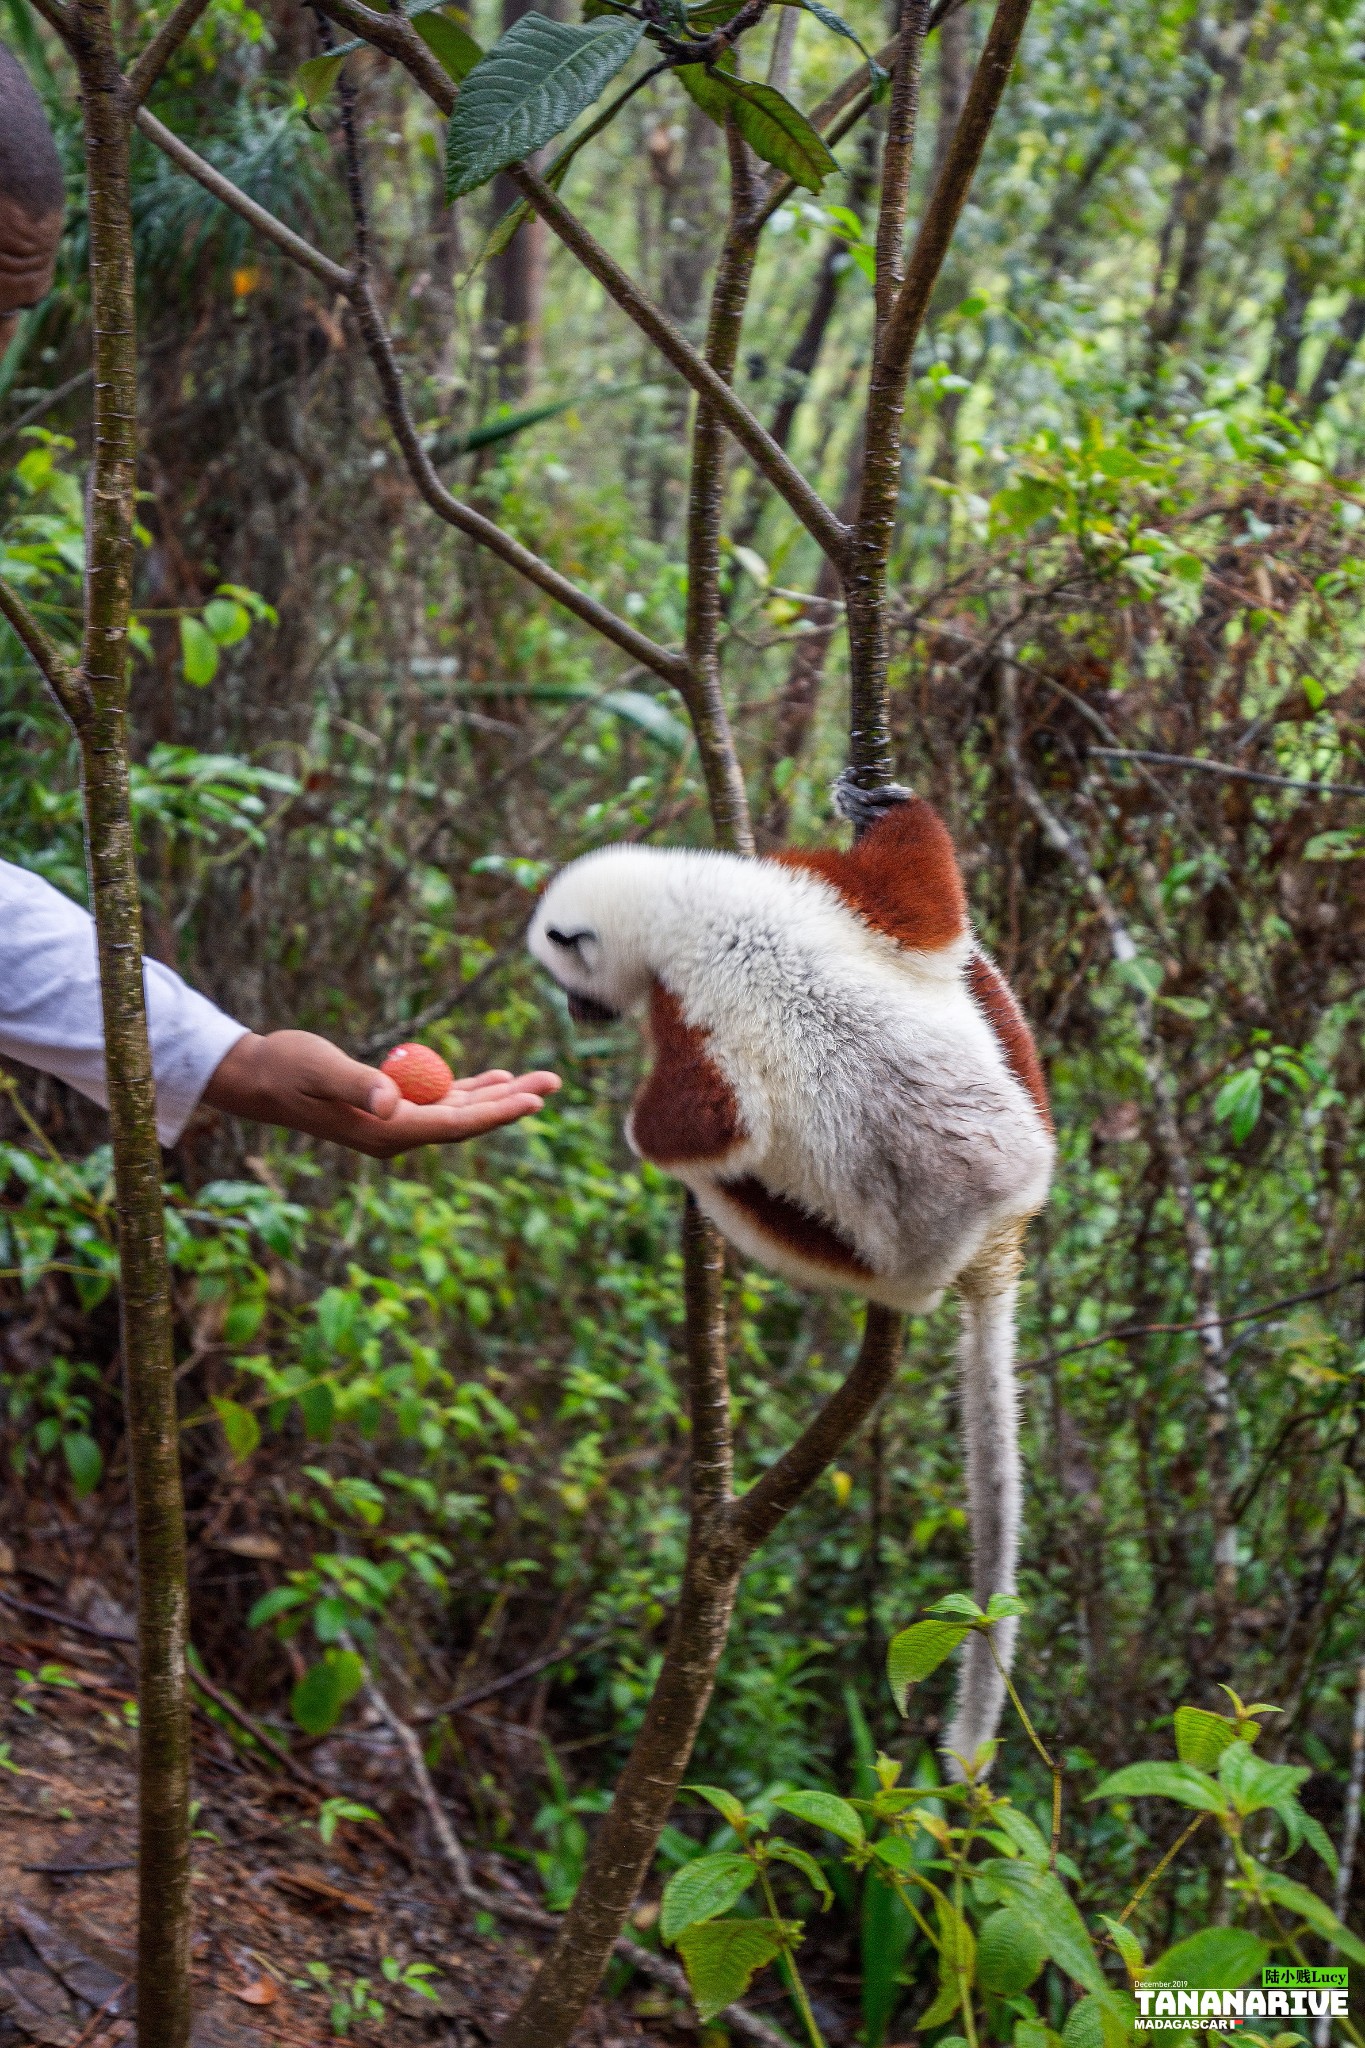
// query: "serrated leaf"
[[727, 1806], [1027, 1839], [802, 1860], [1009, 1952], [1042, 1897], [702, 1890], [450, 43], [1003, 1606], [1101, 2020], [1287, 1892], [1201, 1737], [240, 1427], [773, 128], [721, 1958], [316, 78], [198, 652], [1182, 1782], [825, 1810], [534, 82], [1253, 1783], [917, 1651], [1127, 1944], [1215, 1959], [319, 1699]]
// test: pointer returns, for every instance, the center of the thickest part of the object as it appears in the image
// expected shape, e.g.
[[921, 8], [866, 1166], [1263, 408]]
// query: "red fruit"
[[422, 1075]]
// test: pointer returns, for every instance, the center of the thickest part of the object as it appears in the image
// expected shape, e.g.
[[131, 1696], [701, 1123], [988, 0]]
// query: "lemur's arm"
[[686, 1113]]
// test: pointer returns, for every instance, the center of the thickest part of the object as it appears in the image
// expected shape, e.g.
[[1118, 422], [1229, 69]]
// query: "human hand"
[[305, 1083]]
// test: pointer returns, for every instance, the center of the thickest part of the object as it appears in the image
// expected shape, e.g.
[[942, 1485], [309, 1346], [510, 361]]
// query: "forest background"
[[431, 1409]]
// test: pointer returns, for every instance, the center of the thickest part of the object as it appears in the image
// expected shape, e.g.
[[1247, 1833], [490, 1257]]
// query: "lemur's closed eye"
[[571, 941]]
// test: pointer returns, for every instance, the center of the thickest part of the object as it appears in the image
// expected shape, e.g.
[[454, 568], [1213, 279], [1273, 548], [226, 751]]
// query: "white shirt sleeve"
[[50, 1004]]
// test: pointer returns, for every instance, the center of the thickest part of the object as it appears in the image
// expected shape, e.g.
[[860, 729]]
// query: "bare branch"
[[396, 36], [1226, 768], [231, 195], [65, 683], [671, 667], [754, 1517], [148, 67], [897, 159], [960, 166]]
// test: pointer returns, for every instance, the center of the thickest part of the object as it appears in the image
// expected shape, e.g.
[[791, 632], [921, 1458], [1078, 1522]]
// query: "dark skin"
[[305, 1083], [28, 259]]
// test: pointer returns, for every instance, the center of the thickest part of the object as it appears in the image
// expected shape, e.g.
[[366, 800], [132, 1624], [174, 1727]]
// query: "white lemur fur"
[[846, 1085]]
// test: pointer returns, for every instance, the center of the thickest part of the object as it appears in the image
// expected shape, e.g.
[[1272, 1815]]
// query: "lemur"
[[846, 1083]]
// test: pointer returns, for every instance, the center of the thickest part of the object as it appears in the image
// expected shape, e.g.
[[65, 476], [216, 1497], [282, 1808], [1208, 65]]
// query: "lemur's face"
[[581, 933]]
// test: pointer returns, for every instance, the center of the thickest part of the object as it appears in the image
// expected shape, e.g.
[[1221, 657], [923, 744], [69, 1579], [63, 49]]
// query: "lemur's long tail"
[[990, 1432]]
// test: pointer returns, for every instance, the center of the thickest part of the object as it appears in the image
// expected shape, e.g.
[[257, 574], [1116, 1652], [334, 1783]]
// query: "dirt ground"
[[286, 1926]]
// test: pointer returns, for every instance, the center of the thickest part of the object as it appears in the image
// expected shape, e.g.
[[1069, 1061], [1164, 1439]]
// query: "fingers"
[[464, 1114]]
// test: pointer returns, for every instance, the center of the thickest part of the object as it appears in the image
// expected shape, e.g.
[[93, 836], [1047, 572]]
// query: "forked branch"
[[65, 682], [150, 64]]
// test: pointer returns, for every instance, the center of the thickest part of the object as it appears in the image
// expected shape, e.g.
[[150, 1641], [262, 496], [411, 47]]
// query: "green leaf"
[[802, 1860], [1215, 1959], [727, 1806], [450, 43], [1253, 1783], [535, 80], [1141, 973], [878, 78], [702, 1890], [84, 1461], [958, 1603], [1031, 1843], [198, 652], [240, 1427], [1041, 1896], [1319, 1915], [1238, 1103], [319, 1699], [316, 78], [278, 1601], [1315, 1834], [1010, 1952], [1182, 1782], [773, 128], [1127, 1944], [1201, 1737], [825, 1810], [721, 1957], [917, 1651], [1002, 1606], [226, 620], [1102, 2020]]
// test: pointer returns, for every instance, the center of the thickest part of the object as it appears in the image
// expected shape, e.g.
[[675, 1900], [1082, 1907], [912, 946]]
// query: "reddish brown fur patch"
[[686, 1110], [1000, 1007], [795, 1228], [902, 877]]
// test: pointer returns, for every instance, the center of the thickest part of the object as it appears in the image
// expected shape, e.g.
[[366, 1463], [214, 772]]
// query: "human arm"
[[306, 1083]]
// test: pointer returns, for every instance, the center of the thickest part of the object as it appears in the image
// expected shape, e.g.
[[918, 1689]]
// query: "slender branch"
[[66, 684], [706, 496], [1251, 1315], [257, 216], [452, 1848], [1225, 768], [897, 159], [152, 61], [1155, 1872], [671, 667], [959, 169], [57, 16], [757, 1513], [396, 36]]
